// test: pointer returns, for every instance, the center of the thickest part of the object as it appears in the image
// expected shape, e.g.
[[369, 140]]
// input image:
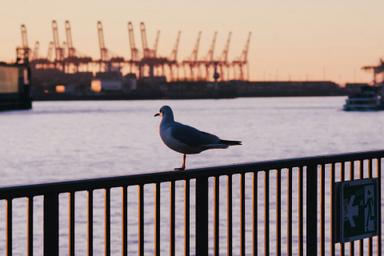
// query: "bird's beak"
[[157, 114]]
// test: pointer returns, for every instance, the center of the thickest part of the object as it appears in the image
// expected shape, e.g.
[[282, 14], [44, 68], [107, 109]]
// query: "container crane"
[[375, 70], [209, 60], [156, 44], [71, 51], [211, 50], [147, 53], [223, 61], [24, 37], [103, 50], [35, 52], [192, 62], [172, 60], [242, 61], [59, 51], [175, 49], [132, 43], [195, 51], [23, 51], [50, 53]]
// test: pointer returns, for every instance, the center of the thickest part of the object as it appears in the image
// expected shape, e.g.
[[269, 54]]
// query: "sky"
[[291, 40]]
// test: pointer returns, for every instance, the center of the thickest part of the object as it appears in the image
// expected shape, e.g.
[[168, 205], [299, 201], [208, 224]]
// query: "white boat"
[[369, 99]]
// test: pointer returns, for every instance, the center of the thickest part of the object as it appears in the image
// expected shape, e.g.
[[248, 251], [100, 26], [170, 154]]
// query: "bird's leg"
[[182, 168]]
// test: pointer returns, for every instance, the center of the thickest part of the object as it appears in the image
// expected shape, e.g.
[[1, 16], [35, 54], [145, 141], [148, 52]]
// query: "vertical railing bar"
[[229, 215], [90, 222], [278, 212], [266, 213], [255, 214], [9, 227], [342, 178], [202, 190], [311, 210], [30, 226], [51, 224], [124, 221], [379, 199], [157, 219], [71, 224], [107, 217], [242, 214], [332, 208], [301, 216], [172, 219], [352, 177], [216, 223], [289, 213], [361, 176], [140, 194], [322, 210], [370, 251], [186, 218]]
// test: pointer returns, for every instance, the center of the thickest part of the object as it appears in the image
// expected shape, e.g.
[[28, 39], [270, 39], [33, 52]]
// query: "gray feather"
[[191, 136]]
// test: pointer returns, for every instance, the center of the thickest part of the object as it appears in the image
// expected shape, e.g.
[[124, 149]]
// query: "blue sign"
[[357, 209]]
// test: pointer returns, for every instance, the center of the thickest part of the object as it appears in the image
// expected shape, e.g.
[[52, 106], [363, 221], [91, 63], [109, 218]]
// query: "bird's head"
[[165, 112]]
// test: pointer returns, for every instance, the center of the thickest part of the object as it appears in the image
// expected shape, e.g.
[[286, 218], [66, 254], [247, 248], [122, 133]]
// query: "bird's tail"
[[230, 142]]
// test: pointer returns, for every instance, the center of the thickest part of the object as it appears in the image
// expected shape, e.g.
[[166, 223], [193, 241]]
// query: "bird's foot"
[[180, 169]]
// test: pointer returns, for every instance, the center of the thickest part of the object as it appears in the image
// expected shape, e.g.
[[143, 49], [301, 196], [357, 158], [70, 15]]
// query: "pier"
[[296, 204]]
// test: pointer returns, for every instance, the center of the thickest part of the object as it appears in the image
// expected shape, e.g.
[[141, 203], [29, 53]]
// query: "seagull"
[[186, 139]]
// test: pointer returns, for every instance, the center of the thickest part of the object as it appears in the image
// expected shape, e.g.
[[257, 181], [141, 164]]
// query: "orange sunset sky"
[[292, 39]]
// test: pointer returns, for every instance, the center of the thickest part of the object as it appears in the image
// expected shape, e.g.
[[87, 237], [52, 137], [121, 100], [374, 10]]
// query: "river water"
[[59, 141]]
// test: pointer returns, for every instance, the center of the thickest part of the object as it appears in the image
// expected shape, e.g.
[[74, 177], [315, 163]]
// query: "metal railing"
[[272, 207]]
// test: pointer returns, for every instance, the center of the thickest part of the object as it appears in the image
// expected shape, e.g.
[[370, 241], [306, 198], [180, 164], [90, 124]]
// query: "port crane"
[[191, 63], [223, 61], [209, 62], [59, 51], [144, 61], [108, 60], [376, 70], [150, 62], [242, 62], [23, 52], [172, 60]]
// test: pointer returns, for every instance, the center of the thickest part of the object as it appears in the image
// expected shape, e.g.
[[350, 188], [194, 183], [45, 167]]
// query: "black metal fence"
[[281, 207]]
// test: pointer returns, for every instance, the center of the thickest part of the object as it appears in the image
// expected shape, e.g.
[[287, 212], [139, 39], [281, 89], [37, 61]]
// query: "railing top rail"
[[148, 178]]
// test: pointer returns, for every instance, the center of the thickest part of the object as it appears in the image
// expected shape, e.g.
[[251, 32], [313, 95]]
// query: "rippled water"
[[69, 140]]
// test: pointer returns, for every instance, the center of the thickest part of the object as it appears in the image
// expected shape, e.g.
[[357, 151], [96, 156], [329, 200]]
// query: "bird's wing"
[[191, 136]]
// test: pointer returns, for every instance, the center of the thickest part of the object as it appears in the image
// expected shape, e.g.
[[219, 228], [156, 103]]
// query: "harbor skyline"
[[290, 41]]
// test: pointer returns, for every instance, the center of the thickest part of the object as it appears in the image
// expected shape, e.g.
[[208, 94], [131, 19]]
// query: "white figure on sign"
[[369, 211], [351, 211]]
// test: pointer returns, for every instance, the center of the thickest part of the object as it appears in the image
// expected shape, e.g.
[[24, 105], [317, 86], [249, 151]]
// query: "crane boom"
[[103, 49], [195, 51], [70, 49], [59, 51], [132, 43], [224, 54], [156, 45], [24, 37], [211, 50], [55, 32], [244, 54], [144, 40], [51, 47], [36, 48], [175, 47]]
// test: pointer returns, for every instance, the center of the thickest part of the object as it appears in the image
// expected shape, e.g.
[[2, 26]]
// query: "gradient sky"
[[294, 39]]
